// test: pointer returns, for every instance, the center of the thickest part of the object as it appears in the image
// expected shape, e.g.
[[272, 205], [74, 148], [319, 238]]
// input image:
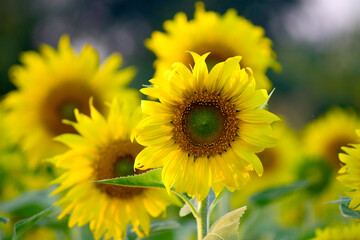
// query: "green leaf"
[[227, 227], [346, 211], [25, 224], [4, 220], [149, 179], [269, 195]]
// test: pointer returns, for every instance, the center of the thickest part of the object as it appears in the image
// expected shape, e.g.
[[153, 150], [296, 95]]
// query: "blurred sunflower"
[[211, 32], [309, 204], [103, 150], [15, 176], [350, 172], [325, 136], [206, 128], [277, 164], [51, 84], [350, 232]]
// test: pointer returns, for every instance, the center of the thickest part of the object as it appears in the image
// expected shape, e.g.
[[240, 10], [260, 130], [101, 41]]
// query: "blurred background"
[[316, 41]]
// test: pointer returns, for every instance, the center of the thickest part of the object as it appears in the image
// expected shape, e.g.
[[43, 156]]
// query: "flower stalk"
[[202, 219]]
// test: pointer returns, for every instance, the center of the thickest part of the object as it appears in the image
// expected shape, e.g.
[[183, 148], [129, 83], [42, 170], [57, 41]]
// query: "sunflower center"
[[67, 111], [334, 148], [205, 124], [269, 159], [117, 160], [60, 103], [124, 166], [318, 172], [219, 53]]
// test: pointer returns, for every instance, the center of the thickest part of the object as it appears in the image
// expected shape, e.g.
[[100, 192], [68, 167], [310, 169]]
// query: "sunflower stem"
[[202, 219]]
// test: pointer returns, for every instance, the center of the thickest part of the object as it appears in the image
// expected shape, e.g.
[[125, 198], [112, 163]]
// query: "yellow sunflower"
[[351, 172], [50, 85], [350, 232], [224, 36], [103, 150], [15, 176], [325, 136], [206, 128]]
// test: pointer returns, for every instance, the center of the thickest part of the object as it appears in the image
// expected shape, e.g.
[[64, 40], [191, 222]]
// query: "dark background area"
[[317, 42]]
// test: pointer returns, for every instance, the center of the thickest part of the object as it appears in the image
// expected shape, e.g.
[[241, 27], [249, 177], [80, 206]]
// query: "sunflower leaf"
[[269, 195], [346, 211], [149, 179], [25, 224], [4, 220], [227, 227]]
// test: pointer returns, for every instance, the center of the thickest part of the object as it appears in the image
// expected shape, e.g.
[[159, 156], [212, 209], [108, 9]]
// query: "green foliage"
[[345, 210], [269, 195], [25, 224], [4, 220], [149, 179], [226, 227], [28, 204]]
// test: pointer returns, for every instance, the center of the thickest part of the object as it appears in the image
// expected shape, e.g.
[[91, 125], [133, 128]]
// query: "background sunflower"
[[50, 85]]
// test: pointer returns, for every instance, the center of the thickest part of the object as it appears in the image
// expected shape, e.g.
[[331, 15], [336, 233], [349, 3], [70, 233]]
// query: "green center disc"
[[67, 111], [124, 166], [318, 172], [204, 124]]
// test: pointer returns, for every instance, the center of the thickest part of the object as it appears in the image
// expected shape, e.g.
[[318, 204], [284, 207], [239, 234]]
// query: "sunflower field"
[[179, 120]]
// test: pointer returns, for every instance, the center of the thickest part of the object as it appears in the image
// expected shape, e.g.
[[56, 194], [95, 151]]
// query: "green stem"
[[186, 200], [202, 219]]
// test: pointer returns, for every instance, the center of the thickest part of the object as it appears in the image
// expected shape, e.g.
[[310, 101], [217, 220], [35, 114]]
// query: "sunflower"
[[325, 136], [50, 85], [103, 150], [224, 36], [206, 128], [351, 172], [13, 164], [350, 232]]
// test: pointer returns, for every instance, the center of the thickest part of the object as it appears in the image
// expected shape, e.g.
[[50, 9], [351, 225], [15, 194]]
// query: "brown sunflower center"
[[269, 158], [218, 54], [333, 149], [205, 124], [60, 103], [116, 160]]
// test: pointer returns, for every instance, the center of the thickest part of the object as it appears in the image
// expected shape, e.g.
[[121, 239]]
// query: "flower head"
[[224, 36], [206, 128], [350, 232], [325, 136], [50, 85], [103, 150], [350, 172]]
